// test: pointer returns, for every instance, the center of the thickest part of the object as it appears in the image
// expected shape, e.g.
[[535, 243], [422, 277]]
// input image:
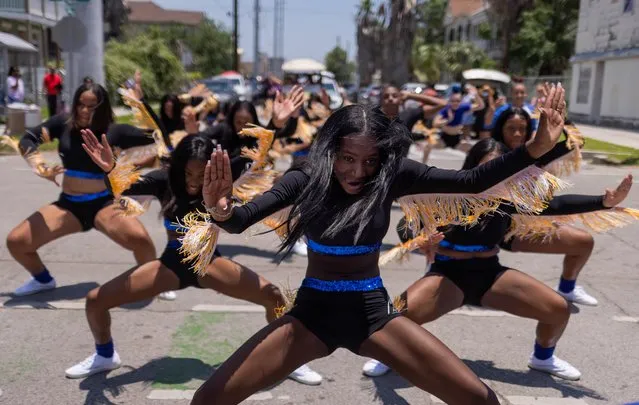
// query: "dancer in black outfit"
[[342, 201]]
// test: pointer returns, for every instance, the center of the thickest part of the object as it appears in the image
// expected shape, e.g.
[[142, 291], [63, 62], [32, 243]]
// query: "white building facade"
[[605, 73]]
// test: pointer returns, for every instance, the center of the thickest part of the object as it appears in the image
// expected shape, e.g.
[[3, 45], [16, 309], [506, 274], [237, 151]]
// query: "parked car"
[[371, 95], [240, 85], [222, 88]]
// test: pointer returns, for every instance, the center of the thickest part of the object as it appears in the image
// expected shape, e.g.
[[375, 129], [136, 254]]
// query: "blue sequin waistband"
[[174, 244], [84, 175], [86, 197], [459, 248], [367, 284], [172, 226], [303, 152], [343, 250]]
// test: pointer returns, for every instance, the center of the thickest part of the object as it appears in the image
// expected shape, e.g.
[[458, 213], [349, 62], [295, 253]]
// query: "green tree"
[[430, 60], [506, 14], [336, 61], [212, 48], [162, 71], [430, 21], [546, 39]]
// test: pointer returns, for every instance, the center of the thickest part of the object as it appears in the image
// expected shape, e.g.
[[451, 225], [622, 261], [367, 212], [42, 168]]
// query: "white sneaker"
[[579, 296], [306, 375], [374, 368], [33, 286], [167, 296], [555, 366], [94, 364], [300, 248]]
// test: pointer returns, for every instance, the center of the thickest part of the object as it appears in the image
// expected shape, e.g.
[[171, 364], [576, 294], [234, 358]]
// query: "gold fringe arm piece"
[[199, 241], [253, 183], [528, 190], [141, 115], [429, 133], [129, 207], [160, 146], [278, 222], [305, 131], [8, 141], [46, 138], [176, 137], [574, 137], [258, 155], [36, 162], [289, 294], [208, 104], [138, 154], [400, 304], [543, 228], [402, 251], [566, 165], [122, 177]]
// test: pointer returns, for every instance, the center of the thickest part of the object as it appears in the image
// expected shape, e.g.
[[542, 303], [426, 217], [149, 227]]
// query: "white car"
[[240, 86]]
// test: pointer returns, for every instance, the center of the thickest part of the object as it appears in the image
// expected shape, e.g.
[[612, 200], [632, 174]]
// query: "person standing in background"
[[52, 84], [15, 86]]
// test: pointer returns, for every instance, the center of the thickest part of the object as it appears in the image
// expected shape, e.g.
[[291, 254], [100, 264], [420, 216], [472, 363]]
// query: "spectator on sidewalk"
[[15, 86], [52, 84]]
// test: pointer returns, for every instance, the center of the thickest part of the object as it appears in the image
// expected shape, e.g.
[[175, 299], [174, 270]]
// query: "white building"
[[464, 21], [605, 81]]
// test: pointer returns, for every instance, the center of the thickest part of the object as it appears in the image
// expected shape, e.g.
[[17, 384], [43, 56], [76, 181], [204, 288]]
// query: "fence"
[[532, 81]]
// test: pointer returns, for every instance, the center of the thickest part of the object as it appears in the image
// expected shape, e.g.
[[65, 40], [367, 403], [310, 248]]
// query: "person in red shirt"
[[53, 86]]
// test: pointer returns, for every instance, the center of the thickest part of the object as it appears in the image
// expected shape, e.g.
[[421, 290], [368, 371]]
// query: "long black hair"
[[480, 150], [498, 129], [190, 147], [175, 123], [314, 203], [102, 117], [241, 105]]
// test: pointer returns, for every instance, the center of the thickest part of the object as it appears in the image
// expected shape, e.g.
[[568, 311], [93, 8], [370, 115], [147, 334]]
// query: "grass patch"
[[618, 154], [125, 119], [197, 346]]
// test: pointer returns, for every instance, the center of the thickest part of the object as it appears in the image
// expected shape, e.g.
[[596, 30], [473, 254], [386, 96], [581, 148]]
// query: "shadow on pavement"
[[164, 370], [387, 385], [486, 370], [70, 292]]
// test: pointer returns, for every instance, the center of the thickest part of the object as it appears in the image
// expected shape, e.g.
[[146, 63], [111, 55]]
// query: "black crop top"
[[411, 178], [492, 228], [70, 141]]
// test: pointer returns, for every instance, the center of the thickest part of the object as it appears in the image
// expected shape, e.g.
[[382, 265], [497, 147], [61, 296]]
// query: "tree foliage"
[[336, 61], [162, 71], [546, 39], [212, 47], [506, 14], [430, 21], [430, 60]]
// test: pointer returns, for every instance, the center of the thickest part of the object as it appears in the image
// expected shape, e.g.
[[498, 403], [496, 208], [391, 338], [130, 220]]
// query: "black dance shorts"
[[172, 259], [451, 141], [343, 318], [473, 276], [85, 207]]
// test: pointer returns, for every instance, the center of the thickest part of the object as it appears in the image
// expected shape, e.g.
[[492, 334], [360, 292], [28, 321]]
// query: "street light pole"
[[236, 56]]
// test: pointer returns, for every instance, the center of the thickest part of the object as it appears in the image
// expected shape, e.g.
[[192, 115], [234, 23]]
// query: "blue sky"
[[311, 28]]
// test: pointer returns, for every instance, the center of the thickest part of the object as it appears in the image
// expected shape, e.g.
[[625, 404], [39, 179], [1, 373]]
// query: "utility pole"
[[256, 46], [236, 39]]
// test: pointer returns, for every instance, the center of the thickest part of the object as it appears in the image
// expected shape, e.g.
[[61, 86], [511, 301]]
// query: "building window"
[[451, 35], [583, 88], [628, 6], [459, 33]]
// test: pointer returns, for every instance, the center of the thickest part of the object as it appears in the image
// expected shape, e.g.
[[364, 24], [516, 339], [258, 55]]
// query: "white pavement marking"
[[79, 304], [284, 397], [519, 400], [188, 394], [228, 308], [474, 311], [436, 400], [625, 319]]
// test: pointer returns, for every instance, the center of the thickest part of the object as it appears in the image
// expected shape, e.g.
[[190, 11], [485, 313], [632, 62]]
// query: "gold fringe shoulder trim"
[[122, 177], [199, 241], [130, 207], [289, 294], [566, 165], [544, 228], [141, 116], [8, 141], [429, 133], [176, 137], [253, 183], [574, 137], [528, 190]]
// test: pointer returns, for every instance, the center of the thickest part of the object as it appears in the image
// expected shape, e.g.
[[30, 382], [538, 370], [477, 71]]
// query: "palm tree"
[[398, 41], [369, 34]]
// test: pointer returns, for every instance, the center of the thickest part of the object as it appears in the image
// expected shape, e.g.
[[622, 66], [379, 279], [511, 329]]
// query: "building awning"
[[603, 55], [16, 44]]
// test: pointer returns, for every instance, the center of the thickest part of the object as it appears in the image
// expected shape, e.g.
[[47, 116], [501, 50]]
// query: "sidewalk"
[[616, 136]]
